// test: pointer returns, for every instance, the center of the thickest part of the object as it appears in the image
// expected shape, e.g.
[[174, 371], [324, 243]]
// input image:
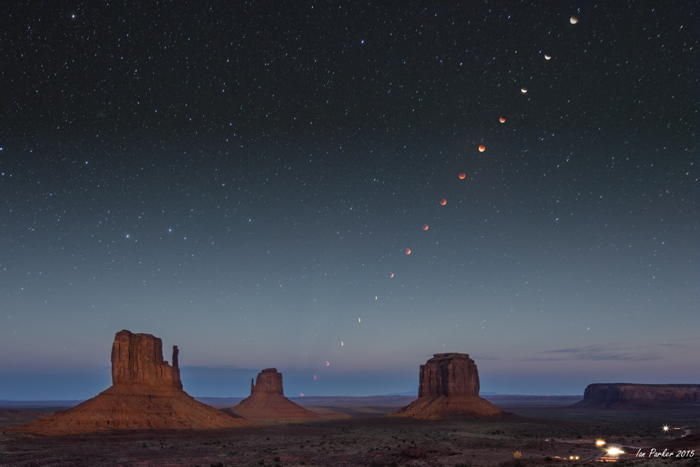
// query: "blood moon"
[[443, 202], [502, 119], [462, 175], [481, 148]]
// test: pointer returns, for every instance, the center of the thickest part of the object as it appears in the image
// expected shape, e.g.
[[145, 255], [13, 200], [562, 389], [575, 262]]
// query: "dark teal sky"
[[241, 181]]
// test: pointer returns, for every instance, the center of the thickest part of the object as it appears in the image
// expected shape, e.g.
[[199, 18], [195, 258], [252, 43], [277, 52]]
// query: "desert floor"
[[357, 432]]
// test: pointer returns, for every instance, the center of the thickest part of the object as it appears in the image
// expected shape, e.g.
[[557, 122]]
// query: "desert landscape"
[[146, 418], [544, 431], [347, 233]]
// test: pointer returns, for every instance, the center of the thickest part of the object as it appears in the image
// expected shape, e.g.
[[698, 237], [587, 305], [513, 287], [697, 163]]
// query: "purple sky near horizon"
[[242, 182]]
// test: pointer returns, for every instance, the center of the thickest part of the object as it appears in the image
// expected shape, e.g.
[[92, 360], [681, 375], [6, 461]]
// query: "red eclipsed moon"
[[443, 202], [481, 148], [407, 251], [502, 119], [461, 175], [426, 227]]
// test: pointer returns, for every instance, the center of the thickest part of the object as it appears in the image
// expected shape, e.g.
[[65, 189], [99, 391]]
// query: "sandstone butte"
[[449, 387], [621, 395], [267, 403], [146, 393]]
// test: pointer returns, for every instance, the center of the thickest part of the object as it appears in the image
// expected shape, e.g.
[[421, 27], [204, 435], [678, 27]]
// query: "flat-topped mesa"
[[138, 359], [449, 387], [268, 381], [613, 395], [449, 374]]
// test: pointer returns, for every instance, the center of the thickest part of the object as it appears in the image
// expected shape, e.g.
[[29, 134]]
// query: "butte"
[[449, 388], [146, 393], [267, 403]]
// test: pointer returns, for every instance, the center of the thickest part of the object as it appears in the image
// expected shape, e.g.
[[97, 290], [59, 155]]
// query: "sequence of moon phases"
[[460, 176]]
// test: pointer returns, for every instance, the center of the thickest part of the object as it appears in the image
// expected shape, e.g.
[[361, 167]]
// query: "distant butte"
[[449, 387], [621, 395], [267, 403], [146, 393]]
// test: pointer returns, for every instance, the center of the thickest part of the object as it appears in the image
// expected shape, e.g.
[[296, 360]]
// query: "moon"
[[547, 57], [573, 20]]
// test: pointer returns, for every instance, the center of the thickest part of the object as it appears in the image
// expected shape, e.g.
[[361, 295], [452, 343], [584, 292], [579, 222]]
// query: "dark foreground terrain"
[[545, 431]]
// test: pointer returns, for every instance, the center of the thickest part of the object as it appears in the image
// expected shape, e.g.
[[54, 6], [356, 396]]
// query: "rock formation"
[[449, 387], [620, 395], [267, 403], [146, 393]]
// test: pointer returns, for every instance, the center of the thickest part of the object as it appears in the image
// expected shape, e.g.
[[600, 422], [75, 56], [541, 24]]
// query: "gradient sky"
[[241, 179]]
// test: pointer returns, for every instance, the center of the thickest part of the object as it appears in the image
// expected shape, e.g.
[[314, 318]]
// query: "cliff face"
[[146, 394], [138, 359], [639, 395], [267, 403], [268, 381], [449, 387], [449, 374]]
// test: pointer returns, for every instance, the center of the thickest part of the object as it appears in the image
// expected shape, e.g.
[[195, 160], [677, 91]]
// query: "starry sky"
[[244, 179]]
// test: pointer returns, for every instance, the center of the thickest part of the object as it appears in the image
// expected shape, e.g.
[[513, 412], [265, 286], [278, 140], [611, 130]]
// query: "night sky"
[[243, 179]]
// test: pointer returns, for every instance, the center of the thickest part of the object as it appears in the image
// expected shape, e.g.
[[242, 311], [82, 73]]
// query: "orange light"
[[443, 202], [481, 148]]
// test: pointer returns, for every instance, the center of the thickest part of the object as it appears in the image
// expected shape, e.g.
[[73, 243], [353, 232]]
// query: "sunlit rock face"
[[146, 393], [449, 387], [138, 359], [639, 395]]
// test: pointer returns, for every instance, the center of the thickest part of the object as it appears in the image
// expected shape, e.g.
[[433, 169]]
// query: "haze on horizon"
[[243, 183]]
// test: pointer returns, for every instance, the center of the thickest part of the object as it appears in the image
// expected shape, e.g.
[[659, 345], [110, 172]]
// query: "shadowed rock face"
[[146, 394], [639, 395], [449, 387], [267, 403], [268, 381], [449, 374]]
